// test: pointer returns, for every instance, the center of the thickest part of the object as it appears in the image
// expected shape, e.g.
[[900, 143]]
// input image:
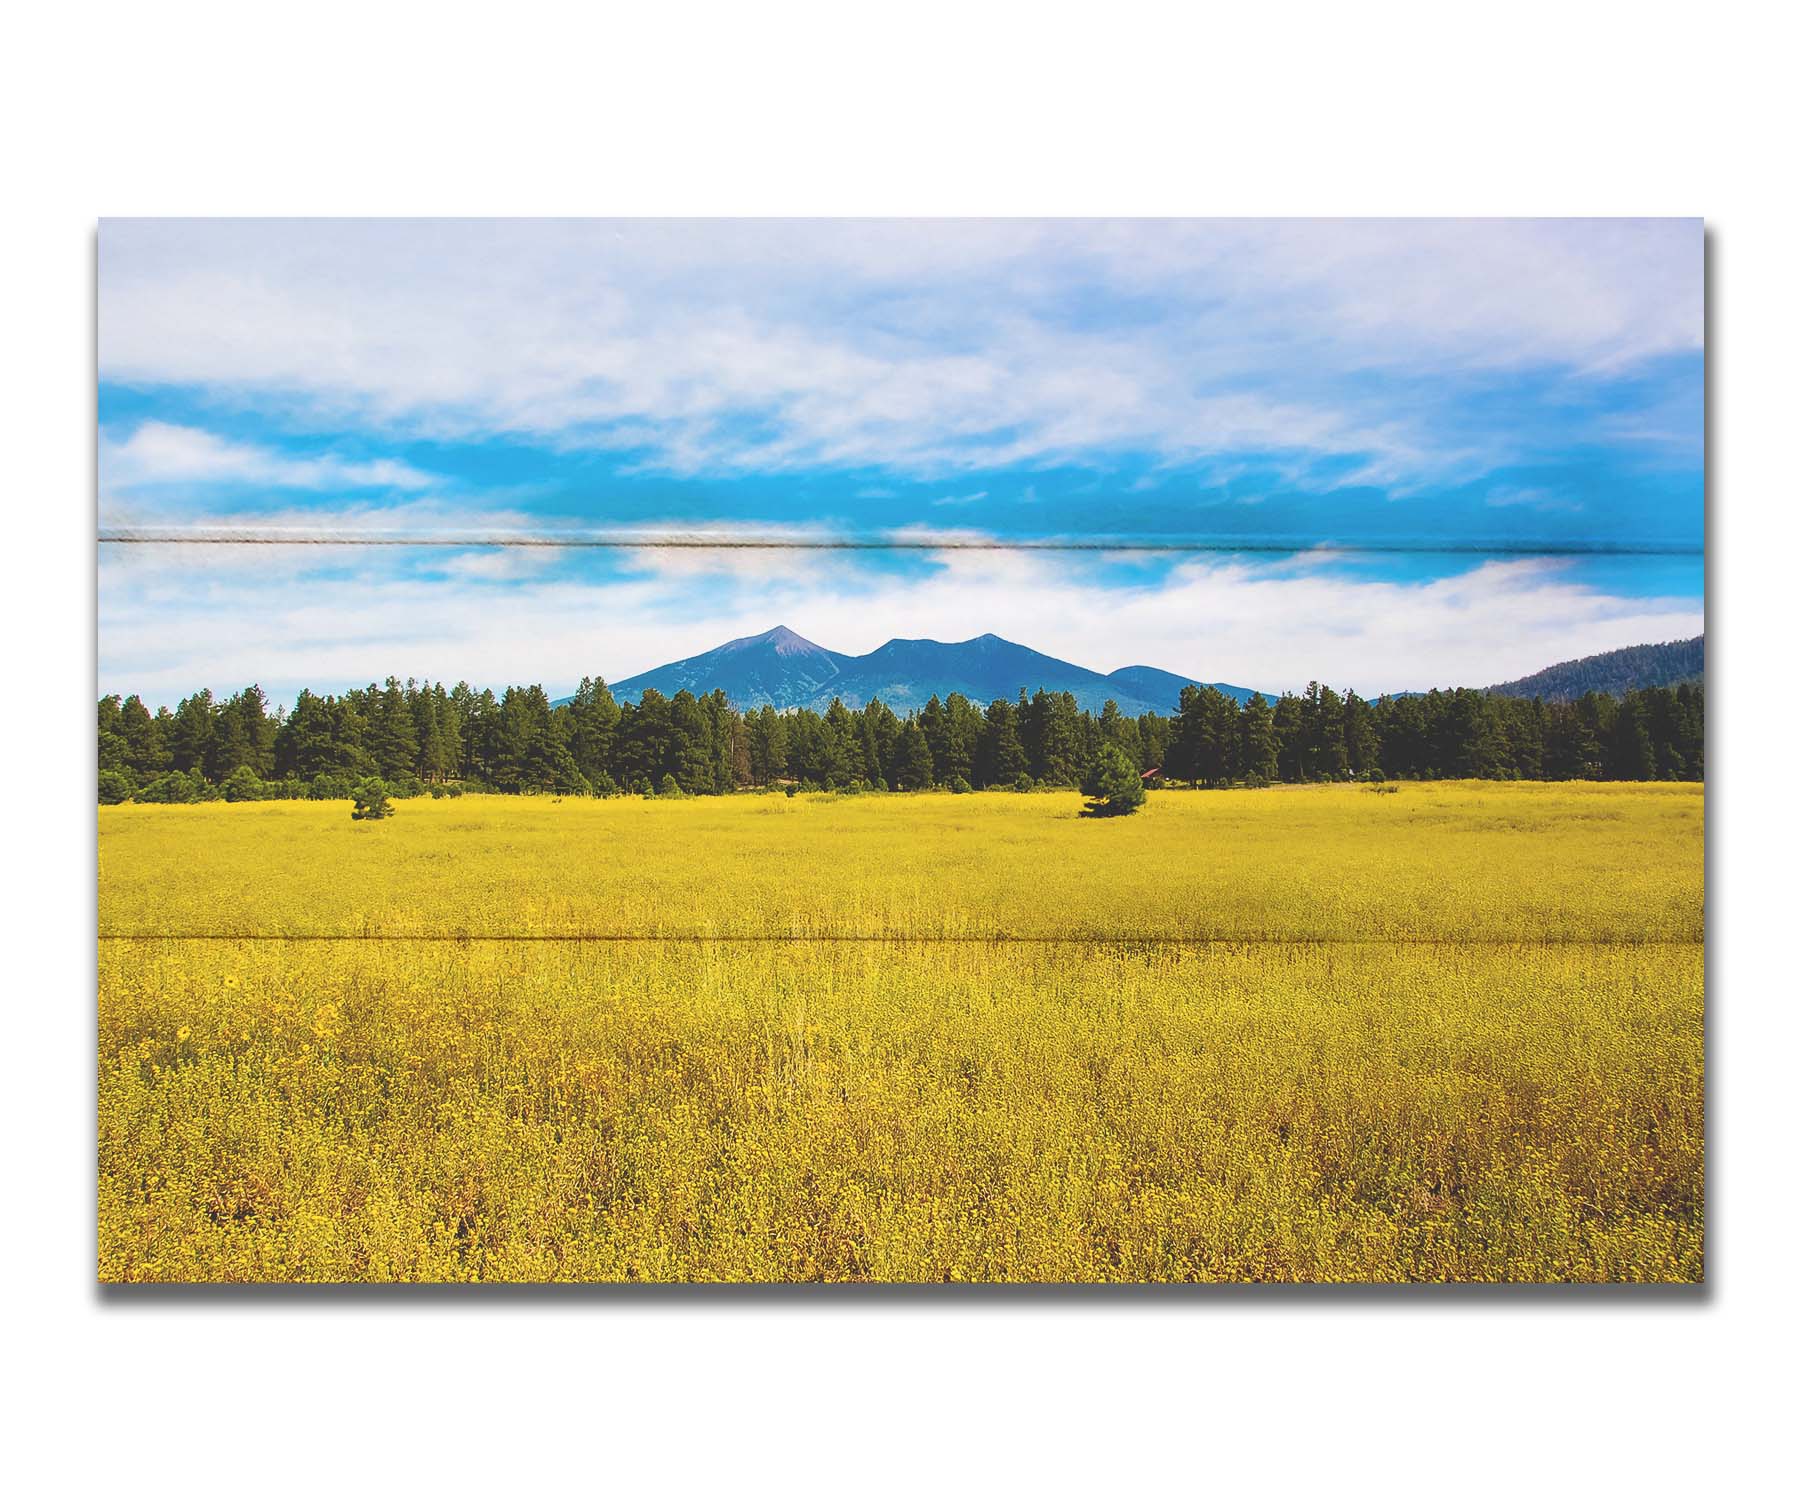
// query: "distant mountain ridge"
[[785, 670], [1667, 664]]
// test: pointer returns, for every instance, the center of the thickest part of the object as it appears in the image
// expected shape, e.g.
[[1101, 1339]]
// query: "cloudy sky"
[[1386, 454]]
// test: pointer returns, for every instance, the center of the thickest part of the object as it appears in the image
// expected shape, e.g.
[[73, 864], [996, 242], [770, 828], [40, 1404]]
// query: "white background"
[[1042, 108]]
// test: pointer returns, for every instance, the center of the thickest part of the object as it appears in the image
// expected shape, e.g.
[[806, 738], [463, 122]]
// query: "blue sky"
[[1390, 454]]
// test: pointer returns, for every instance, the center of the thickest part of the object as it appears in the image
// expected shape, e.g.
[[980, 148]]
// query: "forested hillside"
[[1666, 665], [423, 737]]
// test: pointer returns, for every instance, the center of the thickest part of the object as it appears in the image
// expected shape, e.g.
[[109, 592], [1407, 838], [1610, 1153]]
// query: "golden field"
[[1301, 1034]]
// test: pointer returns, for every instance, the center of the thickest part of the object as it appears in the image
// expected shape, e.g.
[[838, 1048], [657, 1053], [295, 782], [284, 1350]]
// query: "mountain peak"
[[785, 641]]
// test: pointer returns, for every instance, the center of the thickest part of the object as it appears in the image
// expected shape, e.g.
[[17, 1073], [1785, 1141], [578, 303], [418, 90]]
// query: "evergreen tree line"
[[424, 738]]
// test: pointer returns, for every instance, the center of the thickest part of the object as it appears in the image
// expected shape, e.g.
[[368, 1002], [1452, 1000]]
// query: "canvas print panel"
[[908, 751]]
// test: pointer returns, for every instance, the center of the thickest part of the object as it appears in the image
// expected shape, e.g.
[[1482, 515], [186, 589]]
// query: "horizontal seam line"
[[1147, 940], [120, 537]]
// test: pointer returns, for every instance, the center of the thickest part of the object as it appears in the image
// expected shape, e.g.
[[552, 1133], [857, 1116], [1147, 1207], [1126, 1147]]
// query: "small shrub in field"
[[177, 786], [960, 785], [243, 785], [371, 799], [670, 787], [1112, 785], [115, 787], [1023, 782]]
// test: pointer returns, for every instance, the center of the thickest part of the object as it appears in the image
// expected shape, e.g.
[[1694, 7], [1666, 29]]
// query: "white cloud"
[[933, 346], [1530, 497], [498, 564], [159, 453], [286, 618]]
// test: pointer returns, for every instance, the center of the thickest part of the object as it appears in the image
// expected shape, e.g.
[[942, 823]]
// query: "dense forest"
[[1669, 664], [423, 738]]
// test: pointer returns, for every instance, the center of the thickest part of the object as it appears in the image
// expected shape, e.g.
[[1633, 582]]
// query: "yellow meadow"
[[1297, 1034]]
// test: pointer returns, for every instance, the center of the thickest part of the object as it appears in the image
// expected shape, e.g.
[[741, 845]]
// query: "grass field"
[[1313, 1034]]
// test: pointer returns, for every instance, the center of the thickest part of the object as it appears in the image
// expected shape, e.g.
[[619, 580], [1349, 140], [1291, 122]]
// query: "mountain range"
[[1668, 664], [786, 670]]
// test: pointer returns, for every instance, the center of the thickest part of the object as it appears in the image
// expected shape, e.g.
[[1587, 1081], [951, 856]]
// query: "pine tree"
[[432, 760], [912, 759], [1258, 749], [448, 714], [643, 742], [934, 724], [1153, 741], [190, 742], [1362, 743], [114, 754], [689, 758], [881, 740], [1290, 750], [1115, 729], [1000, 756], [370, 801], [808, 755], [1057, 731], [471, 710], [594, 717], [1113, 785], [521, 725], [145, 756], [962, 734], [846, 749], [1323, 753], [722, 728], [768, 746], [307, 743], [391, 738], [549, 767]]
